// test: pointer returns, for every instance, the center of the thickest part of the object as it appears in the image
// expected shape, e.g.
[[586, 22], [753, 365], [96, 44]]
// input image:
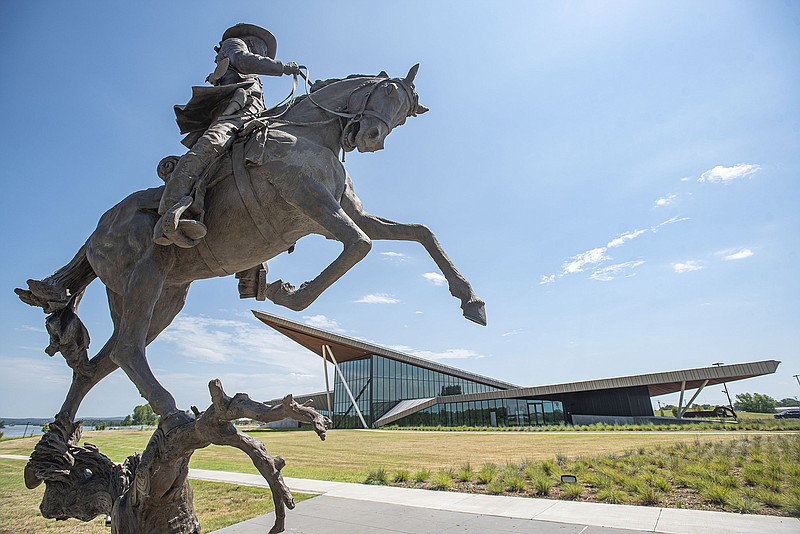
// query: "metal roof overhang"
[[346, 349]]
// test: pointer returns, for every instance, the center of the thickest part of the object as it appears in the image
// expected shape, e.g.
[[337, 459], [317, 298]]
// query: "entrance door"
[[536, 412]]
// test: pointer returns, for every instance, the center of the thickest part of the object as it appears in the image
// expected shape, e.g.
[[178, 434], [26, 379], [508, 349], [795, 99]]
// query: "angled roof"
[[346, 348]]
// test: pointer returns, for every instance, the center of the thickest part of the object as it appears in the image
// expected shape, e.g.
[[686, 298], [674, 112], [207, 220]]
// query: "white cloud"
[[435, 278], [686, 178], [671, 220], [547, 279], [606, 274], [720, 174], [378, 298], [206, 339], [512, 333], [622, 238], [738, 255], [396, 256], [687, 266], [449, 354], [322, 321], [578, 262], [664, 201]]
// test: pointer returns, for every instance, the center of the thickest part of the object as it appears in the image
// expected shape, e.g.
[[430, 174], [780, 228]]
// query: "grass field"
[[217, 505], [349, 455]]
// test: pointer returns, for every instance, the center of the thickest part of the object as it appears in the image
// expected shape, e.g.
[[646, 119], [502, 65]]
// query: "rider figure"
[[211, 119]]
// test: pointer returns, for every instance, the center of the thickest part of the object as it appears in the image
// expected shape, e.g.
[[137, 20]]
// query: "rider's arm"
[[246, 62]]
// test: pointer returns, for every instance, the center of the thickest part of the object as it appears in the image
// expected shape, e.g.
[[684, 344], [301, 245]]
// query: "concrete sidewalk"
[[355, 508]]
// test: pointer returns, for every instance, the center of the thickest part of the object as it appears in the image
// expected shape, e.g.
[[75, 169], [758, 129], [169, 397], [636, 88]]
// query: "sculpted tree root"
[[149, 492]]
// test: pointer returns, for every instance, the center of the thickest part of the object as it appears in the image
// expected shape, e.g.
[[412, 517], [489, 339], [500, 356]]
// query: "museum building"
[[375, 386]]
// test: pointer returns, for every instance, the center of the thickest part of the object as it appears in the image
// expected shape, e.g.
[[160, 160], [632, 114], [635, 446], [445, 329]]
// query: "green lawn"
[[349, 455]]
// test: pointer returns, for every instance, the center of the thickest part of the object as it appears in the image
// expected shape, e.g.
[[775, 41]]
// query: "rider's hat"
[[251, 30]]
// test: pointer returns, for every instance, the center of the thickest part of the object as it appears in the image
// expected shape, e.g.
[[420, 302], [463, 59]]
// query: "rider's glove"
[[291, 68]]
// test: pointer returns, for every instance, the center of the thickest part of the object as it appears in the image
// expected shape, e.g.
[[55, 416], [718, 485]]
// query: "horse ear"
[[383, 74], [421, 109], [412, 73]]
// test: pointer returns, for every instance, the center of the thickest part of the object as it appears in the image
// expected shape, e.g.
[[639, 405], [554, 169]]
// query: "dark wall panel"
[[620, 401]]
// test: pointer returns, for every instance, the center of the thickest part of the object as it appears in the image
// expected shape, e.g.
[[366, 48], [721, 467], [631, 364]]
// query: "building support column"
[[327, 384], [327, 348], [689, 404], [680, 401]]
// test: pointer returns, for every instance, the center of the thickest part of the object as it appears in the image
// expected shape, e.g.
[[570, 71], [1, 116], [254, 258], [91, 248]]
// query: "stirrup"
[[185, 233]]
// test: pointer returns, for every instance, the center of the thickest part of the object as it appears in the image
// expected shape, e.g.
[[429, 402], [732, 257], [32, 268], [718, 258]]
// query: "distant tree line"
[[142, 415], [755, 402]]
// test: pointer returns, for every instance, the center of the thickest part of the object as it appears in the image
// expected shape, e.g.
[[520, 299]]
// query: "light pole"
[[797, 377], [730, 404]]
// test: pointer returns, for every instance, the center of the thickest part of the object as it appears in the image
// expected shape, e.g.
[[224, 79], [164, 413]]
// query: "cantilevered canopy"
[[346, 348]]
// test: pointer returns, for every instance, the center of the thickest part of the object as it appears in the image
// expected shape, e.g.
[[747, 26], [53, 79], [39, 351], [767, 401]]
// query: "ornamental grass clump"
[[441, 481], [612, 496], [542, 485], [401, 476], [647, 495], [377, 477], [495, 487], [422, 475], [514, 482], [572, 491], [465, 473], [716, 493], [487, 474], [743, 504], [549, 467]]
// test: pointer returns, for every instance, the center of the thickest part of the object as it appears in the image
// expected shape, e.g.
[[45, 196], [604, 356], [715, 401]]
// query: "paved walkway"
[[359, 508], [346, 508]]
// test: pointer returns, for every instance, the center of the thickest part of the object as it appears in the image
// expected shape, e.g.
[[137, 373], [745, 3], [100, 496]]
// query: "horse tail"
[[61, 288]]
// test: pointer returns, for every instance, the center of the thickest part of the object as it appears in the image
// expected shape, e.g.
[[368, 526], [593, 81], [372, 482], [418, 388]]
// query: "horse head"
[[376, 106]]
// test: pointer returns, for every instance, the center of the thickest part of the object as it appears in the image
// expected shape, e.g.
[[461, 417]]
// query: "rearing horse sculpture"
[[298, 188]]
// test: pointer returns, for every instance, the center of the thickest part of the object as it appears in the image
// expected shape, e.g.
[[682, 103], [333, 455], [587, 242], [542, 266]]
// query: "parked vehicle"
[[794, 413]]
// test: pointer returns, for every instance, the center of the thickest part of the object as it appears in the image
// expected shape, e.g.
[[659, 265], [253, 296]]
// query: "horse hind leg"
[[143, 290], [101, 365], [61, 288]]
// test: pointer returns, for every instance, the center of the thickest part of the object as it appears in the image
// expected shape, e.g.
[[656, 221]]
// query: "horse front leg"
[[380, 228], [319, 205]]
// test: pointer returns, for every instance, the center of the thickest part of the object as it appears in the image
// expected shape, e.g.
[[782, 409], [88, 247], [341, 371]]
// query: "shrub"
[[441, 481], [401, 476], [377, 477], [422, 475]]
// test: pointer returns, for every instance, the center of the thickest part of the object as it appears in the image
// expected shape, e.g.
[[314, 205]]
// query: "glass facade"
[[378, 384], [495, 412]]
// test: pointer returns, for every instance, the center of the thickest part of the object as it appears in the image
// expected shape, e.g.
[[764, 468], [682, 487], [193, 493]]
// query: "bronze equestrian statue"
[[275, 179]]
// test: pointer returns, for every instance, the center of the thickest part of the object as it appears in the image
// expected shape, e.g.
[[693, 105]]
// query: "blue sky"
[[617, 180]]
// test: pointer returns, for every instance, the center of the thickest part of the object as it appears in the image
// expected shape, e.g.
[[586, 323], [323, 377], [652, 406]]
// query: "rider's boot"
[[253, 282], [173, 227]]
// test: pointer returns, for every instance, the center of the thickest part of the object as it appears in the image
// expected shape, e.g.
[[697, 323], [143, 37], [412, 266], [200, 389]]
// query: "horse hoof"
[[475, 311]]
